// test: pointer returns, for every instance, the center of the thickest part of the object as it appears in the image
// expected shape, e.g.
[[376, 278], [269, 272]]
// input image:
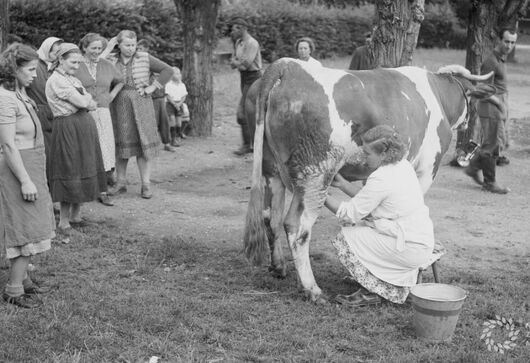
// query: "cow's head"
[[473, 88]]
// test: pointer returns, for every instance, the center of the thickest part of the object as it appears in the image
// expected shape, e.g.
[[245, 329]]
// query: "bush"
[[441, 28], [157, 21], [276, 24]]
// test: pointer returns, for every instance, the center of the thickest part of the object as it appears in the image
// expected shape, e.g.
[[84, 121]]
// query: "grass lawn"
[[125, 296]]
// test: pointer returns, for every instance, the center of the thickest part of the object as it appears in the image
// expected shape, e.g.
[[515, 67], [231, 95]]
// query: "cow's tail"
[[255, 236]]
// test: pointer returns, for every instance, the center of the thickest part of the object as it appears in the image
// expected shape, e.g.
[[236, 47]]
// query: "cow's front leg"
[[298, 224]]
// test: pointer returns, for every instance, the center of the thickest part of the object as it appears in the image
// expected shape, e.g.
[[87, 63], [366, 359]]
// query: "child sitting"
[[177, 110]]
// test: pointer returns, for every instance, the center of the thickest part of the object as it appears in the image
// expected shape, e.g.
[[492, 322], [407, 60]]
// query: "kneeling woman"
[[392, 234], [77, 173]]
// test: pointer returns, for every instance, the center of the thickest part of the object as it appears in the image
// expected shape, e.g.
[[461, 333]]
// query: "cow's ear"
[[482, 91]]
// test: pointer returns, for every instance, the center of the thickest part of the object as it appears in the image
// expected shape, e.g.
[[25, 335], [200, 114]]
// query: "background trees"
[[4, 23], [198, 30]]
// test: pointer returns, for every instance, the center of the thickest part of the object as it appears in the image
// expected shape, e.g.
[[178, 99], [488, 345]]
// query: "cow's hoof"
[[278, 272], [316, 298]]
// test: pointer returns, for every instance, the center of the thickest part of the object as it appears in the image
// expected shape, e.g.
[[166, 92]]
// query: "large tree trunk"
[[198, 28], [4, 23], [486, 18], [396, 32]]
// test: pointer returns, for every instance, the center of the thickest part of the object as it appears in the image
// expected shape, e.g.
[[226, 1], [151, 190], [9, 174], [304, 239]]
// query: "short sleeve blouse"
[[13, 111], [59, 88]]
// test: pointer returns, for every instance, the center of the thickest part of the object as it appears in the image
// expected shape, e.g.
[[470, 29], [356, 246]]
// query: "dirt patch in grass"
[[165, 277]]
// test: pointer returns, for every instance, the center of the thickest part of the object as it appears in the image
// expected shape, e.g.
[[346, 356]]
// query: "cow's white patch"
[[340, 129], [430, 146], [406, 95], [296, 106]]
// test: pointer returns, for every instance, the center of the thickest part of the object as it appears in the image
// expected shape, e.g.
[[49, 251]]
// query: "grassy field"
[[125, 296]]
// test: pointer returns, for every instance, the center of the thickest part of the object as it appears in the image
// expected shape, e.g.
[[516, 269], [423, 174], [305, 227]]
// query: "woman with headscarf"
[[36, 91], [78, 175], [103, 81], [133, 111], [26, 217]]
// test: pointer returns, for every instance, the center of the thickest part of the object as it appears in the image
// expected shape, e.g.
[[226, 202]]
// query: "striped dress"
[[135, 127]]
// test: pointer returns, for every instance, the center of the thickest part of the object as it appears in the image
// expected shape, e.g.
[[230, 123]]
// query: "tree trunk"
[[4, 23], [198, 28], [396, 32], [486, 18]]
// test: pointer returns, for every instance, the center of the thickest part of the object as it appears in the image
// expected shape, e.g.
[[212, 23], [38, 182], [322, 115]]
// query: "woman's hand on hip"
[[29, 191], [148, 90]]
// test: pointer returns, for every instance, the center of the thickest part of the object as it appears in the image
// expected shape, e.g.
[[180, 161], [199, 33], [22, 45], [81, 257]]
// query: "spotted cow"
[[309, 126]]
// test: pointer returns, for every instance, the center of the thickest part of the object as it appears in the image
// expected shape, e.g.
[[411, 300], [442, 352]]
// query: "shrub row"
[[275, 23]]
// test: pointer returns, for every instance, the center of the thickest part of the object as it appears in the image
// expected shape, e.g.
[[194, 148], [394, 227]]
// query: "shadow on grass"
[[125, 298]]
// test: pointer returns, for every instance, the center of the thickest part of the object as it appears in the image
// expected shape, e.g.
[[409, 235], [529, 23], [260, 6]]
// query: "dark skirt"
[[45, 117], [22, 222], [77, 170], [162, 120]]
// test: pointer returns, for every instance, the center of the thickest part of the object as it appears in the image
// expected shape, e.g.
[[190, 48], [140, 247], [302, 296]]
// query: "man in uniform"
[[493, 114]]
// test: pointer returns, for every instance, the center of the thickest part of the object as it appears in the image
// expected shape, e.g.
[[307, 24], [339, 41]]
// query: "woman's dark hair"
[[15, 56], [308, 41], [90, 38], [143, 43], [384, 139]]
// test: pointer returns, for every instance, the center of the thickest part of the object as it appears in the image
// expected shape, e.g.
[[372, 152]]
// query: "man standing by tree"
[[493, 115], [247, 59], [360, 59]]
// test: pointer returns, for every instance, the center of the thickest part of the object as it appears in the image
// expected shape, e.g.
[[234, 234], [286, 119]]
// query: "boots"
[[245, 148], [473, 169], [490, 185]]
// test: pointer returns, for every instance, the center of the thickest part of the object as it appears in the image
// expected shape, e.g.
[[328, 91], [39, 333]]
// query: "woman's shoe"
[[105, 200], [36, 289], [146, 192], [358, 299], [23, 301], [118, 189]]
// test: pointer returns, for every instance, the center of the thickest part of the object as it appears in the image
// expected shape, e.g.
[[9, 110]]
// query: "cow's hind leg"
[[299, 221], [275, 200]]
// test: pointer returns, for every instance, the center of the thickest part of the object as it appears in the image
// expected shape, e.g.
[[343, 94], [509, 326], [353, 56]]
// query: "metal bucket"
[[436, 310]]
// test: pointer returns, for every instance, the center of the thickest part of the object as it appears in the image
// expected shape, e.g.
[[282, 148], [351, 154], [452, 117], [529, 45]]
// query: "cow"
[[309, 127]]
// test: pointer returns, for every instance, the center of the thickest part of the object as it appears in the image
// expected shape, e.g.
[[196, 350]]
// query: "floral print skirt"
[[395, 294]]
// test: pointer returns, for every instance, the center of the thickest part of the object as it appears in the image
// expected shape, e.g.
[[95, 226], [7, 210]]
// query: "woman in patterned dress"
[[26, 217], [103, 81], [133, 111], [392, 234]]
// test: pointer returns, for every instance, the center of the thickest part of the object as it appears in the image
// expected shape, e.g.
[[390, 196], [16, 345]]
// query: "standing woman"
[[26, 215], [304, 48], [37, 91], [78, 174], [133, 111], [103, 81]]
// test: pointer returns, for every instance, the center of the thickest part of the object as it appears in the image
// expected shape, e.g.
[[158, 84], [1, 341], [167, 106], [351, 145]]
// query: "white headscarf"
[[46, 47]]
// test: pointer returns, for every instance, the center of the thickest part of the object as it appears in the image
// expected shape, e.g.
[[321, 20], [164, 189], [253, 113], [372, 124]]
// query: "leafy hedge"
[[275, 23], [35, 20]]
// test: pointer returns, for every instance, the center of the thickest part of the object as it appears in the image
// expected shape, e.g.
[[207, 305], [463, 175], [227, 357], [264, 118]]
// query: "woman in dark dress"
[[77, 171]]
